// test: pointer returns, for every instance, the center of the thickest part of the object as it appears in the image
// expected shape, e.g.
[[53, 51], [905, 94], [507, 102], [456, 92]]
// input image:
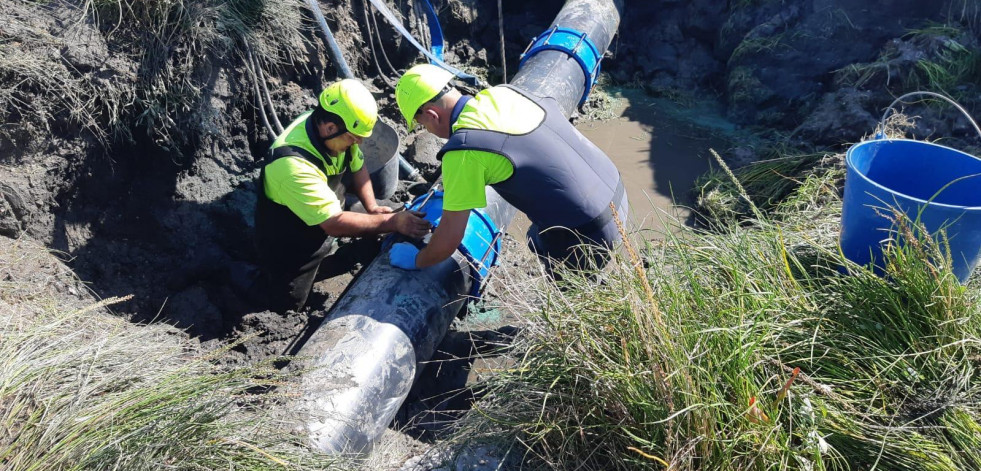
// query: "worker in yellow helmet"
[[524, 147], [299, 209]]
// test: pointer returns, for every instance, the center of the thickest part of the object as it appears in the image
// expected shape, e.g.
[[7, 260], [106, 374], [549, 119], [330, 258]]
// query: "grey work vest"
[[560, 178]]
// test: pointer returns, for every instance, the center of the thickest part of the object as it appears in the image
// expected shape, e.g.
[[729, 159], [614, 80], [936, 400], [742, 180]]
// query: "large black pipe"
[[362, 360], [374, 342], [556, 74]]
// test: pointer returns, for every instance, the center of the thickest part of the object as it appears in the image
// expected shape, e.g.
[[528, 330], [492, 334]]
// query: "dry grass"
[[83, 389], [156, 61]]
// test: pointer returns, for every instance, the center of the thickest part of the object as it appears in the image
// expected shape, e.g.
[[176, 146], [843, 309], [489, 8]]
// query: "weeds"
[[943, 63], [80, 389], [768, 358], [762, 45], [769, 181], [161, 58], [603, 102]]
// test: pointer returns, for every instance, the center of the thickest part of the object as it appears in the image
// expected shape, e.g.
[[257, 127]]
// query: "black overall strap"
[[295, 151]]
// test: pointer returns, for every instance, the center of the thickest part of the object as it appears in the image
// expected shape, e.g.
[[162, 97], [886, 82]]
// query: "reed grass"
[[767, 355], [84, 390]]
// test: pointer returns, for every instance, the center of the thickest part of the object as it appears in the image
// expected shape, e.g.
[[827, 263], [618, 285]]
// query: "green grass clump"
[[948, 59], [769, 181], [81, 389], [747, 348]]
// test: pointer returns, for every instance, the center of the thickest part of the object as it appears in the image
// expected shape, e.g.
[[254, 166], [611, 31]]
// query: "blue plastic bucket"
[[935, 185]]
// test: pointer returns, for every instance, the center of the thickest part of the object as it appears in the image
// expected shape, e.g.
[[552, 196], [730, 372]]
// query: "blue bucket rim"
[[850, 164]]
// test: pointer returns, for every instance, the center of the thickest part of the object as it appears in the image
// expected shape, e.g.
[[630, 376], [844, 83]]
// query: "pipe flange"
[[574, 43]]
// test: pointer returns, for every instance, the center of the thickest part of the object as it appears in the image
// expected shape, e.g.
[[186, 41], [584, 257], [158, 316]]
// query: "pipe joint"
[[574, 43], [481, 242]]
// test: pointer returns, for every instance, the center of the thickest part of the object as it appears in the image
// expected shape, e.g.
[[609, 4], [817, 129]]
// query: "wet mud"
[[171, 223]]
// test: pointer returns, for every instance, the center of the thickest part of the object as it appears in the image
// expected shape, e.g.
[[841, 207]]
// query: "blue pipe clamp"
[[481, 244], [574, 43]]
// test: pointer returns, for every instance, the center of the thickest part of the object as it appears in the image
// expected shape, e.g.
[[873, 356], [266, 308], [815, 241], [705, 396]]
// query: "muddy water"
[[660, 149]]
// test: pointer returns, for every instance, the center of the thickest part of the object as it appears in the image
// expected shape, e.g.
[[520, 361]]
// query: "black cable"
[[262, 82], [258, 97], [371, 42], [381, 46]]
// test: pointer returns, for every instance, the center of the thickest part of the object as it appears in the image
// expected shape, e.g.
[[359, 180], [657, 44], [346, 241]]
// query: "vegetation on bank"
[[746, 347], [118, 70], [83, 389]]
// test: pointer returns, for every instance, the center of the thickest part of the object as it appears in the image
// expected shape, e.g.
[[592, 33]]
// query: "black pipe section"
[[375, 342], [556, 74], [361, 362], [332, 47]]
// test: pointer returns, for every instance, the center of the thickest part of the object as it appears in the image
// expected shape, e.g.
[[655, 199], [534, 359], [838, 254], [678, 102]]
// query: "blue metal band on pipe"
[[574, 43], [481, 245]]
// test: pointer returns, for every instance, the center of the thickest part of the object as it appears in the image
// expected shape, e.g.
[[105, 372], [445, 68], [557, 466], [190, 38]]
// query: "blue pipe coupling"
[[481, 244], [574, 43]]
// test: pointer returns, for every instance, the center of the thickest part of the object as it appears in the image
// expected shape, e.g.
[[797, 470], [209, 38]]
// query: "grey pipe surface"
[[361, 362], [365, 354], [408, 172]]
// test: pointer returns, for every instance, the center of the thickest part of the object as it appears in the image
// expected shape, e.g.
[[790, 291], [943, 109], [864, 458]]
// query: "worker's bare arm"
[[362, 187], [351, 224], [445, 240]]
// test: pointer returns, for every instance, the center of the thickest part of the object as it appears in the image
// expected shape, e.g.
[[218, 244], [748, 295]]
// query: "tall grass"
[[768, 182], [80, 389], [748, 348]]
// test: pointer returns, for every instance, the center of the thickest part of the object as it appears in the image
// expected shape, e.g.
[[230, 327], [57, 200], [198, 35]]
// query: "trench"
[[660, 148], [172, 231]]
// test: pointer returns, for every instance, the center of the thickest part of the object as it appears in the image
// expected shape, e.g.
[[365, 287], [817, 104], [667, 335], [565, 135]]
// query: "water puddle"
[[660, 148]]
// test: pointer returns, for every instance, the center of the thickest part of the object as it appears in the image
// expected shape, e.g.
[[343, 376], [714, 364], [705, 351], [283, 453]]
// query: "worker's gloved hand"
[[403, 255], [412, 224]]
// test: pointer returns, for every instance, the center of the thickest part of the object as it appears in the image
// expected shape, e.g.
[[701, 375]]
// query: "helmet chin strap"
[[341, 130], [336, 134]]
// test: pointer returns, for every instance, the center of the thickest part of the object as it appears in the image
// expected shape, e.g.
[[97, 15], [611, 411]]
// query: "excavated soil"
[[168, 218]]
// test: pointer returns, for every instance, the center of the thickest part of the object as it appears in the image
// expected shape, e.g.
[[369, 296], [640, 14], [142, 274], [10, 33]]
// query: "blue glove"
[[403, 255]]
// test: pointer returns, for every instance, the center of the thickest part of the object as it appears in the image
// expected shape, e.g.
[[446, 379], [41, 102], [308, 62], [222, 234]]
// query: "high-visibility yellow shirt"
[[300, 185], [466, 173]]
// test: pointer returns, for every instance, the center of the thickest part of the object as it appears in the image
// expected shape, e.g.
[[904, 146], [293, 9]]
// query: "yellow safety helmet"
[[350, 100], [418, 85]]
